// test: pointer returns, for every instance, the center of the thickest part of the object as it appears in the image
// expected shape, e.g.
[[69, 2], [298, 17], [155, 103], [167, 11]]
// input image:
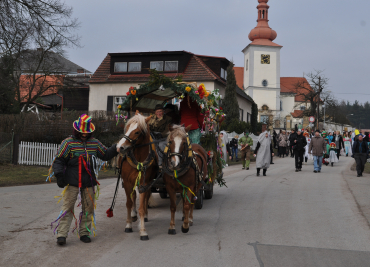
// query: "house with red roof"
[[119, 71], [280, 101]]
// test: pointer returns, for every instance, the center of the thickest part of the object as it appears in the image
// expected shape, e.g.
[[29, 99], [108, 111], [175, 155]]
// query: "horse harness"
[[187, 160]]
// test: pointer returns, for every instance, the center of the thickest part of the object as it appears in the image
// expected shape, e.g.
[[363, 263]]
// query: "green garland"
[[155, 81]]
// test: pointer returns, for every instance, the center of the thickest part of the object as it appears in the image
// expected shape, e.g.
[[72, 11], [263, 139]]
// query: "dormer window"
[[134, 66], [120, 67], [171, 66], [156, 65], [223, 73]]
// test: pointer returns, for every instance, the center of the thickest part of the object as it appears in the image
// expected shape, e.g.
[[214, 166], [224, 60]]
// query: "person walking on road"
[[246, 142], [317, 148], [234, 147], [263, 153], [338, 140], [347, 144], [360, 152], [292, 137], [299, 144], [73, 168], [282, 141]]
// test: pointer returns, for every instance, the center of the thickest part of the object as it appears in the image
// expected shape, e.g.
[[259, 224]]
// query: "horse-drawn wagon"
[[187, 167]]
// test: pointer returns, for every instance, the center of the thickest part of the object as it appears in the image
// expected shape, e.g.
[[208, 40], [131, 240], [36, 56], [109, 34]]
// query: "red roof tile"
[[289, 85], [297, 113], [239, 76], [50, 84]]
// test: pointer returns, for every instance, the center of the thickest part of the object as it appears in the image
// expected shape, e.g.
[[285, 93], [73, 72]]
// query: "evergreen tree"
[[230, 103]]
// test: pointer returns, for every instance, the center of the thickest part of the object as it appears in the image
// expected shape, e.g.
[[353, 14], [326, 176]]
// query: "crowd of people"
[[321, 147]]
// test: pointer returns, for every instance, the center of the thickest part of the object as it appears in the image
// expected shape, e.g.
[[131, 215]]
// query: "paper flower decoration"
[[119, 107], [188, 89]]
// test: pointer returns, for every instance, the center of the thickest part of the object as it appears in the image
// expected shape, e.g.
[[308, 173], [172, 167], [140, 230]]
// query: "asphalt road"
[[284, 219]]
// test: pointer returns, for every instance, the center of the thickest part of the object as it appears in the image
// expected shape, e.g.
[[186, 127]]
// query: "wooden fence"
[[31, 153]]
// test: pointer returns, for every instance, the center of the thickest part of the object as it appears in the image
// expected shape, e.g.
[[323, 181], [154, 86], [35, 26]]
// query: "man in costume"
[[73, 168], [246, 143], [299, 143], [263, 153]]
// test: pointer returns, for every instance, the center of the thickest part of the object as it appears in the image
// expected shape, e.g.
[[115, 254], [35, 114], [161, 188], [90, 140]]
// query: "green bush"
[[236, 126]]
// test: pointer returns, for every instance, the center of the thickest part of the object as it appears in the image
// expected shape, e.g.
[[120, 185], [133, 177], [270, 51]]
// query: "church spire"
[[262, 30]]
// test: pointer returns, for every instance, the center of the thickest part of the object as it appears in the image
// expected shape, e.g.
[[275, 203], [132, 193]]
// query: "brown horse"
[[184, 167], [138, 169]]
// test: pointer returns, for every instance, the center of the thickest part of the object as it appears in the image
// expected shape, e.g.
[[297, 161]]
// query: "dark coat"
[[234, 143], [67, 163], [292, 137], [356, 147], [299, 142]]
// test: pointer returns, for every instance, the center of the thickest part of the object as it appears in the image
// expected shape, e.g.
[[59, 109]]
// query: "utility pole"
[[318, 105]]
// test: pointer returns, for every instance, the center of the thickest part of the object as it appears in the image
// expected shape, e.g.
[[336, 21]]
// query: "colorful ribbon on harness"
[[137, 182], [184, 187]]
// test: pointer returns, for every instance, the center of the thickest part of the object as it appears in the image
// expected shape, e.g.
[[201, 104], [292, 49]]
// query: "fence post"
[[15, 149]]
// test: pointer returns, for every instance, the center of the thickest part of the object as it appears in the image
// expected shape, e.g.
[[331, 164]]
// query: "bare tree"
[[32, 34], [313, 90]]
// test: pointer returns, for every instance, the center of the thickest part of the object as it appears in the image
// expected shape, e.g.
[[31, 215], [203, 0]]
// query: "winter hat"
[[83, 124]]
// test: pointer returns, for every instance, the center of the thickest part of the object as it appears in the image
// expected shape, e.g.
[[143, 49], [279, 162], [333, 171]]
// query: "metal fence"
[[6, 147]]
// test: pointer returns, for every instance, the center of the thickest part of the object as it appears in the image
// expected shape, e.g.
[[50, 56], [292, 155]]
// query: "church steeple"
[[262, 33]]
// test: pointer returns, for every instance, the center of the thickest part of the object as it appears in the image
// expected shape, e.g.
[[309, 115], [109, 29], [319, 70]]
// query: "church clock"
[[265, 59]]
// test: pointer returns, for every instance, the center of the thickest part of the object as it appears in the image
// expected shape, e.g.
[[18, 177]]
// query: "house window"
[[303, 108], [134, 66], [222, 73], [120, 67], [248, 117], [157, 65], [241, 114], [225, 74], [117, 100], [171, 66], [281, 105], [264, 118]]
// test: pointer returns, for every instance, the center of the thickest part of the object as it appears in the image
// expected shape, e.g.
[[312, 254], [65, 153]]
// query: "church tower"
[[262, 66]]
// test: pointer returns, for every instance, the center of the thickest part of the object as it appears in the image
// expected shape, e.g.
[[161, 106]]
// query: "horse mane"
[[140, 120], [177, 130]]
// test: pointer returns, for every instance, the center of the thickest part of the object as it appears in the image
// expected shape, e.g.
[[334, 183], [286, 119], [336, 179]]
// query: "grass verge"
[[367, 167], [11, 175]]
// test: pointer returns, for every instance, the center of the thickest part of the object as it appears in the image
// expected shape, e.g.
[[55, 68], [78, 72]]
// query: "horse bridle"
[[132, 141]]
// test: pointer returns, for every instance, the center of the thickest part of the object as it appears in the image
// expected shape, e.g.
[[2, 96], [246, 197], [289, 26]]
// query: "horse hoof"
[[134, 219], [191, 223], [128, 230], [144, 237], [183, 218], [184, 230], [171, 231], [146, 220]]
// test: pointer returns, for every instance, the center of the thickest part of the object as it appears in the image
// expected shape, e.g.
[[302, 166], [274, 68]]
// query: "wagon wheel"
[[199, 203], [208, 194]]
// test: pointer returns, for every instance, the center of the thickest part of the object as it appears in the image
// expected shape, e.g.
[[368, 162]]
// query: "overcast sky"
[[328, 35]]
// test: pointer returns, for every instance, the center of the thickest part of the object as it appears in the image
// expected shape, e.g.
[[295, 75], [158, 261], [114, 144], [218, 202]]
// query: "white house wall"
[[288, 104]]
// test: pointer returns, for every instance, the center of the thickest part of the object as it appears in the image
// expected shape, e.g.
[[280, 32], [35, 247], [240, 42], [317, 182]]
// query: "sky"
[[328, 35]]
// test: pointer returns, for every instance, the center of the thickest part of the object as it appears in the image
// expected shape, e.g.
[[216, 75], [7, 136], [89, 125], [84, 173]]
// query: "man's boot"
[[247, 162], [264, 172], [258, 171]]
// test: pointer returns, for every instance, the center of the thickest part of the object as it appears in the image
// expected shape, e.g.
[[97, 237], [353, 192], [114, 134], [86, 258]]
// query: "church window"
[[264, 83], [263, 14], [281, 105]]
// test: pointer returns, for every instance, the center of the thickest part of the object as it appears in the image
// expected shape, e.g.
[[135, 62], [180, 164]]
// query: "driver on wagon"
[[159, 124]]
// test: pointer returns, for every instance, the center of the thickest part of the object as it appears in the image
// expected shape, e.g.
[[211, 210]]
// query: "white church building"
[[278, 100]]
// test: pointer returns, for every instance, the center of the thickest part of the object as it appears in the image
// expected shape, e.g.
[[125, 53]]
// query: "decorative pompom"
[[110, 212]]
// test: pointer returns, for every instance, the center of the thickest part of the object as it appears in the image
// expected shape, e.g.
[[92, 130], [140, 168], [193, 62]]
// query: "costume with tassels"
[[75, 169]]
